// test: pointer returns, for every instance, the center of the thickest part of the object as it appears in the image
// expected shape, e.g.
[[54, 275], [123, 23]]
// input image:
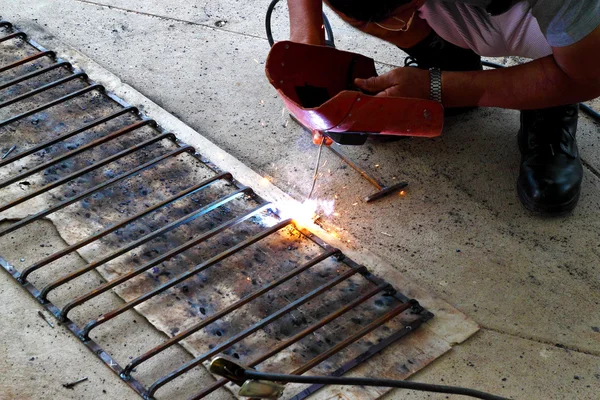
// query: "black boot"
[[435, 52], [551, 171]]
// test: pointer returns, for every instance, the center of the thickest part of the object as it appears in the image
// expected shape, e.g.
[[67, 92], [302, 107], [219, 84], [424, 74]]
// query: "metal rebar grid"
[[98, 155]]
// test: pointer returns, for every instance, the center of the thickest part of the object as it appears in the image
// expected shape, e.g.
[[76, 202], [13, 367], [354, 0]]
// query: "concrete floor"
[[533, 284]]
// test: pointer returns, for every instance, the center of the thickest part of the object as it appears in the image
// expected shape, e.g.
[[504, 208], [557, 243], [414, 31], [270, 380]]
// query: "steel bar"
[[368, 354], [299, 336], [51, 142], [6, 24], [67, 202], [386, 191], [14, 35], [28, 59], [72, 153], [86, 170], [61, 253], [42, 89], [52, 104], [249, 331], [35, 73], [194, 271], [158, 260], [349, 340], [144, 239], [238, 304]]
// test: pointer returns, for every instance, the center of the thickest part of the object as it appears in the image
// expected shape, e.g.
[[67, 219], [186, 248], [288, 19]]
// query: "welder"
[[445, 40]]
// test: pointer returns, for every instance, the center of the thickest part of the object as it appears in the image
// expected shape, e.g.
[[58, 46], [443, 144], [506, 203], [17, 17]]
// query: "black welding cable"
[[333, 380], [329, 39], [585, 108]]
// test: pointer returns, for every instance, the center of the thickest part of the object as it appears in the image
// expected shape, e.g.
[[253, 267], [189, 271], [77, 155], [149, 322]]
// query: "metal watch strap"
[[435, 89]]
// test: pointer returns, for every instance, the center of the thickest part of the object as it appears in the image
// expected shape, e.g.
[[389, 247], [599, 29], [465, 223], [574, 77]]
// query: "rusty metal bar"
[[51, 142], [362, 358], [67, 202], [85, 170], [247, 332], [348, 341], [35, 73], [22, 35], [296, 338], [42, 89], [71, 326], [168, 255], [52, 103], [196, 270], [54, 161], [144, 239], [61, 253], [28, 59], [238, 304]]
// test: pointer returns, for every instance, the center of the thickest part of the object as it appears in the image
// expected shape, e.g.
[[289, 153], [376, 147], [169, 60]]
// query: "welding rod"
[[383, 190]]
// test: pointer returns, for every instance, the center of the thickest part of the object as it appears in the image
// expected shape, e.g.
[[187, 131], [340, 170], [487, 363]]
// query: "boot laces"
[[547, 132]]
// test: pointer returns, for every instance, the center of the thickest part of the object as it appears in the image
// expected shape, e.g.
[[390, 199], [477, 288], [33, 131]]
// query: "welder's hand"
[[400, 82]]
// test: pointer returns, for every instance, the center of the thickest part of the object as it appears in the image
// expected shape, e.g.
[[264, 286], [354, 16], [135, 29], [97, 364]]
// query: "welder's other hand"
[[399, 82]]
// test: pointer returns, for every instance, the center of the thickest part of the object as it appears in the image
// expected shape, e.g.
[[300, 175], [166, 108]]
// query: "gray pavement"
[[460, 231]]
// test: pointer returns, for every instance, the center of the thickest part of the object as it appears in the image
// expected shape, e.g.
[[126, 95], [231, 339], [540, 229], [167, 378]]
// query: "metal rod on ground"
[[383, 189], [9, 151]]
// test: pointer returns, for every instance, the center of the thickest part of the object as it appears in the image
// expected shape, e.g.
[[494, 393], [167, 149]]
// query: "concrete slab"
[[516, 368], [460, 230]]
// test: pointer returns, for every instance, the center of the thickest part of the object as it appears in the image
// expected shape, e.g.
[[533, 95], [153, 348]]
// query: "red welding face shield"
[[316, 84]]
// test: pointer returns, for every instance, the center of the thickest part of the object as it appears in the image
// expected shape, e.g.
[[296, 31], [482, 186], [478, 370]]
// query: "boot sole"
[[554, 210]]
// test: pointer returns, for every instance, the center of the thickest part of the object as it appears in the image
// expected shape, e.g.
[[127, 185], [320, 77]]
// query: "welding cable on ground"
[[334, 380], [329, 39]]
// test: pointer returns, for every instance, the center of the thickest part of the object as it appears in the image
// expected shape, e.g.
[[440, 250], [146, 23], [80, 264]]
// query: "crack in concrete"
[[183, 21], [541, 341], [591, 168]]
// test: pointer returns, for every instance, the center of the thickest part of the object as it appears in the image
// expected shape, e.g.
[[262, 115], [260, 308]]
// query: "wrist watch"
[[435, 88]]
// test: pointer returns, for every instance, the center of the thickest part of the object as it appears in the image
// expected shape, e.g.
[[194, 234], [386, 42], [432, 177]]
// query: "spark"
[[402, 193]]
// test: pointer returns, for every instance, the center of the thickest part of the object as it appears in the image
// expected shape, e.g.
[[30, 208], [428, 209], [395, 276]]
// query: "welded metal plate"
[[199, 255]]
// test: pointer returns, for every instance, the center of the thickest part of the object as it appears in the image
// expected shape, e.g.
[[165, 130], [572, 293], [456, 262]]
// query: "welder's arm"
[[306, 21], [570, 75]]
